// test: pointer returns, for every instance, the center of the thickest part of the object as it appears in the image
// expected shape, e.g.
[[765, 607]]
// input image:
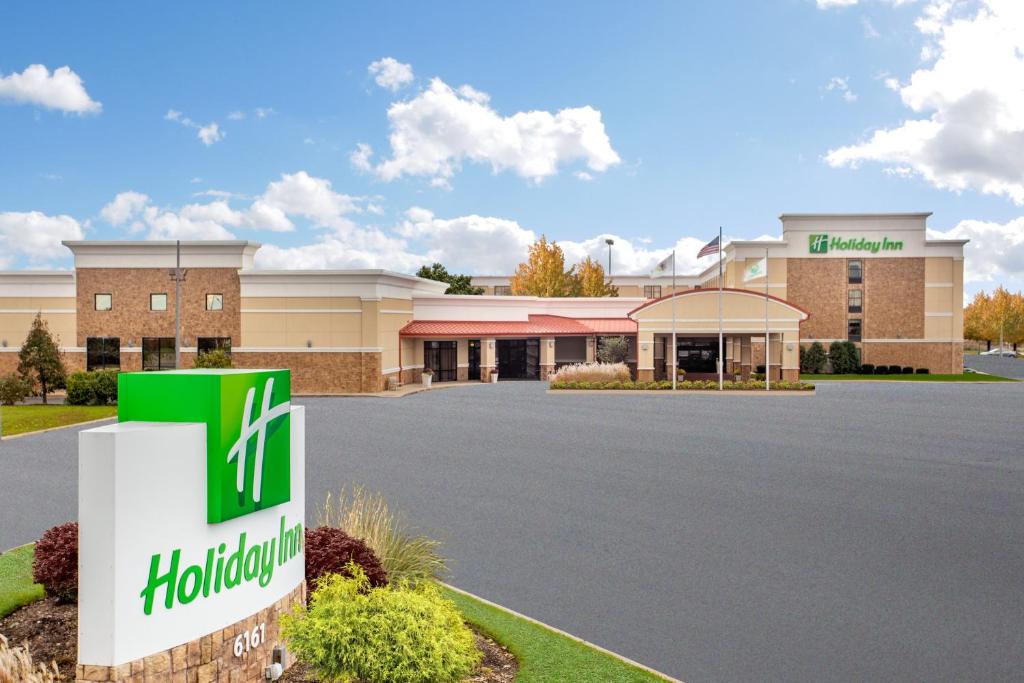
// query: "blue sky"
[[675, 118]]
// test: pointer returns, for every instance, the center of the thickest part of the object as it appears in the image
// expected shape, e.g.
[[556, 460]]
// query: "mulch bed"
[[51, 631]]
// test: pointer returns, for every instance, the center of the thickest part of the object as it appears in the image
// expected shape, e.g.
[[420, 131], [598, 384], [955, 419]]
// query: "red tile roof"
[[536, 326]]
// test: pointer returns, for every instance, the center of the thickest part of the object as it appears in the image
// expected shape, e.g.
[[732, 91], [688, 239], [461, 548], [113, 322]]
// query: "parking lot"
[[870, 532]]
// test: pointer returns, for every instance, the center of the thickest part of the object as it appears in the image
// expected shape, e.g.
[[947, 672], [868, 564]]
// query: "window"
[[158, 353], [215, 302], [855, 300], [502, 290], [158, 302], [853, 329], [652, 291], [855, 270], [207, 344], [103, 353], [102, 302]]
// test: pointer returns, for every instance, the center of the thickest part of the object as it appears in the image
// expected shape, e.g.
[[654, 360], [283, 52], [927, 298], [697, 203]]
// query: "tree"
[[844, 357], [39, 360], [998, 316], [976, 318], [613, 350], [457, 284], [544, 272], [590, 280], [813, 358]]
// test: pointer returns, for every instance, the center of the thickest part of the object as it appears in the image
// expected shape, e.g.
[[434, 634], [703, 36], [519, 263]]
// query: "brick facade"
[[819, 286], [938, 357], [207, 659], [893, 298], [130, 318], [328, 372]]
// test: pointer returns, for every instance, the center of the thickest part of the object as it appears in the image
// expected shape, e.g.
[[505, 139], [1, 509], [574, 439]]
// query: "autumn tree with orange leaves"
[[544, 274]]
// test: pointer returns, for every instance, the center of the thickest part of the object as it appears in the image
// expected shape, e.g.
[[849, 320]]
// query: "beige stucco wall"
[[17, 314], [698, 314]]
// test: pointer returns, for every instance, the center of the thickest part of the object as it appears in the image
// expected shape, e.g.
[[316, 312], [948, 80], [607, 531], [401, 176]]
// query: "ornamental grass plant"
[[16, 666], [365, 515], [688, 385], [402, 633], [592, 372]]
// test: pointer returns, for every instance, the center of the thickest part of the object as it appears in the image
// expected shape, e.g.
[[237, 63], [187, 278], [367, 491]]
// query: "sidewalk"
[[406, 390]]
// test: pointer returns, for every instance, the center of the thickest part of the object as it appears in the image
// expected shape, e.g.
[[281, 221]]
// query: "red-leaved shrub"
[[56, 562], [328, 550]]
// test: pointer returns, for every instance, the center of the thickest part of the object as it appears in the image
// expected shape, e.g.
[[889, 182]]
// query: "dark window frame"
[[855, 307], [649, 291], [162, 354], [850, 334], [210, 294], [502, 290], [206, 344], [106, 357], [158, 310], [96, 303], [852, 265]]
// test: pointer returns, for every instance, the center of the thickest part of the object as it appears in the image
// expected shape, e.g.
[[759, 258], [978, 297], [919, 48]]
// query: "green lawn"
[[544, 655], [966, 377], [21, 419], [16, 587]]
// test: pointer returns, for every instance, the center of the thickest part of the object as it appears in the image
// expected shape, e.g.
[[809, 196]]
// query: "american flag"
[[711, 247]]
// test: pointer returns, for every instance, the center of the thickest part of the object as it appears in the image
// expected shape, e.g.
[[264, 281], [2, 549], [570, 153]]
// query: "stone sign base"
[[209, 658]]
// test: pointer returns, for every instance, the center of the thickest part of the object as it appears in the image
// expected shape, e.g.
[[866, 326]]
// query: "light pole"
[[178, 275], [609, 241]]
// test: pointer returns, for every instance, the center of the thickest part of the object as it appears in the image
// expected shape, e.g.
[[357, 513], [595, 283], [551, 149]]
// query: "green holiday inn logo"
[[248, 430], [821, 244]]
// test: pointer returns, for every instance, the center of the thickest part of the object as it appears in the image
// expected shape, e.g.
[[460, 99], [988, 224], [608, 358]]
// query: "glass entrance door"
[[519, 358], [442, 358], [697, 355], [474, 359]]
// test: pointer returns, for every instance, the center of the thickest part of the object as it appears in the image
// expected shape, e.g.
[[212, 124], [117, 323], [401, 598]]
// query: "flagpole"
[[675, 354], [767, 357], [721, 364]]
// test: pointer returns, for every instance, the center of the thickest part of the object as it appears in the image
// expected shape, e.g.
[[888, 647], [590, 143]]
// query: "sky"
[[393, 134]]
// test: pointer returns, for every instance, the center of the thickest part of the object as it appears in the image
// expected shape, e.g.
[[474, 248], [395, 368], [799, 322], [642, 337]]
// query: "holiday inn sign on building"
[[820, 243]]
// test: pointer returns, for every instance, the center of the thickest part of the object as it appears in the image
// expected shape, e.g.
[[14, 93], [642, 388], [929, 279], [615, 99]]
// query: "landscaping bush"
[[867, 369], [613, 350], [592, 372], [813, 358], [402, 553], [217, 358], [105, 383], [14, 389], [922, 371], [881, 369], [56, 562], [331, 551], [16, 666], [81, 389], [399, 634], [688, 385], [844, 357], [908, 371], [895, 369]]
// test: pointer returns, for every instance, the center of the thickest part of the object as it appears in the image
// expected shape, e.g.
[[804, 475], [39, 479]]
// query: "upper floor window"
[[853, 329], [652, 291], [103, 302], [158, 302], [855, 299], [855, 270], [215, 302], [502, 290]]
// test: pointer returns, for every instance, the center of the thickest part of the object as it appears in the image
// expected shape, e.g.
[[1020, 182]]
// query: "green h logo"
[[818, 243], [248, 429]]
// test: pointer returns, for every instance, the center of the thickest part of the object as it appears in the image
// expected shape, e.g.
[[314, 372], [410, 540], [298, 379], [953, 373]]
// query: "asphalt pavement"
[[874, 531]]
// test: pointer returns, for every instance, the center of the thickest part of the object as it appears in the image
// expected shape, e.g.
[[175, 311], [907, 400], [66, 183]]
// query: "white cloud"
[[828, 4], [995, 252], [583, 175], [841, 86], [208, 134], [35, 235], [432, 134], [481, 244], [294, 195], [263, 112], [236, 116], [124, 207], [869, 28], [390, 73], [63, 90], [973, 134], [360, 157]]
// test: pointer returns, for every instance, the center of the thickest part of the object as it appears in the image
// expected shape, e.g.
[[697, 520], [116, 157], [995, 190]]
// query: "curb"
[[53, 429], [625, 660], [684, 392], [394, 394]]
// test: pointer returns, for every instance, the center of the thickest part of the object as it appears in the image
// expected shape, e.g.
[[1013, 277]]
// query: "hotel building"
[[874, 279]]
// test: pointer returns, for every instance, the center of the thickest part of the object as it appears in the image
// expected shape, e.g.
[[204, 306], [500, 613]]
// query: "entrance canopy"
[[534, 326], [696, 313]]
